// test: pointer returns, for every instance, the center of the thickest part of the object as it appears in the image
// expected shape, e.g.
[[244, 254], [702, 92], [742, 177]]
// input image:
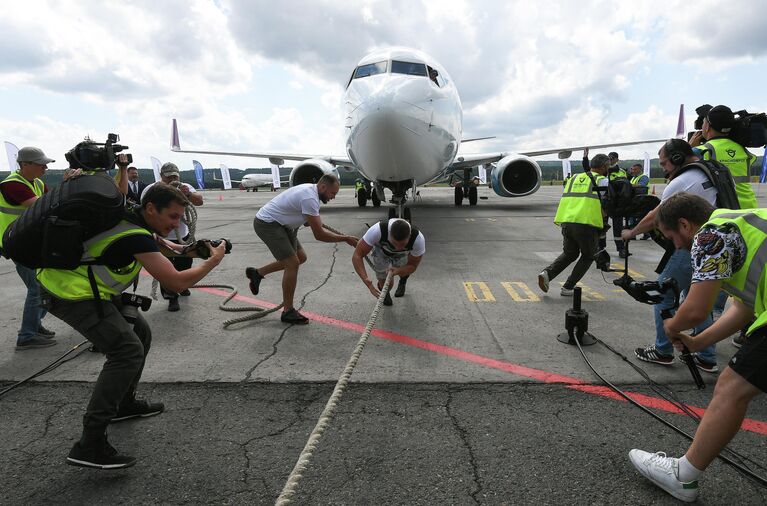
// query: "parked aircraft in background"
[[404, 122]]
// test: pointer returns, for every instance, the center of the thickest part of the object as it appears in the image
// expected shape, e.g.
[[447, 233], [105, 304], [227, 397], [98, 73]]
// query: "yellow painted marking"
[[529, 296], [634, 274], [469, 219], [487, 295], [491, 219], [587, 293]]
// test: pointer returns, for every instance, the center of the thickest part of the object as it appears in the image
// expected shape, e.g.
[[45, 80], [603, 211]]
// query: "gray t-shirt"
[[291, 207], [693, 181]]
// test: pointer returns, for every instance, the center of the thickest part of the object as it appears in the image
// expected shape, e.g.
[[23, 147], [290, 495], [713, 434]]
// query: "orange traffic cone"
[[221, 197]]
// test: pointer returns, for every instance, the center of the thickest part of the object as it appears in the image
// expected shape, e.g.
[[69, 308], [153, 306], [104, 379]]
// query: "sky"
[[257, 75]]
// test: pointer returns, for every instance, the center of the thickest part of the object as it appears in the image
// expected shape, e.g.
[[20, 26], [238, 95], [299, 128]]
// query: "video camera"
[[750, 129], [200, 247], [130, 304], [97, 156]]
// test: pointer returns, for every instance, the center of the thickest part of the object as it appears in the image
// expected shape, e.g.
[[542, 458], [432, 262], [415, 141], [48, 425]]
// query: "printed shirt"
[[717, 252]]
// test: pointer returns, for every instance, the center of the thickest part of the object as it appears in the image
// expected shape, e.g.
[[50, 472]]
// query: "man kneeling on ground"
[[396, 246]]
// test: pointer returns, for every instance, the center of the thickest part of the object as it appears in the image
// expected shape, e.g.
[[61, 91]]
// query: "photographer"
[[717, 125], [674, 156], [580, 216], [720, 242], [89, 300]]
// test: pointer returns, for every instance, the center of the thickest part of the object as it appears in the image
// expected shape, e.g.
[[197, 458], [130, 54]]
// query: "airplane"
[[252, 181], [404, 123]]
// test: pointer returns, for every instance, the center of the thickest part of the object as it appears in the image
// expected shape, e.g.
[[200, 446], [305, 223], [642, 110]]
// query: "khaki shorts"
[[381, 262], [282, 241]]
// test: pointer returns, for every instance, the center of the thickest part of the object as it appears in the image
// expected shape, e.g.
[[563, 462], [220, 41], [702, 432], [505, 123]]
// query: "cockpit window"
[[434, 76], [370, 69], [411, 69]]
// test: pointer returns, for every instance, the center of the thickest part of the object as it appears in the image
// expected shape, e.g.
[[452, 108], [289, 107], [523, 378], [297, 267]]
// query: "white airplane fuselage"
[[404, 118], [255, 180]]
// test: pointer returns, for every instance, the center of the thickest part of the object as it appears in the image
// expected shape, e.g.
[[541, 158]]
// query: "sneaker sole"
[[649, 361], [93, 465], [639, 466], [542, 284], [129, 417], [34, 346], [250, 273]]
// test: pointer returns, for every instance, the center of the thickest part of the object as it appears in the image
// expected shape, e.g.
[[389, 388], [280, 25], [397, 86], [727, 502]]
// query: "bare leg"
[[289, 281], [722, 419], [280, 264]]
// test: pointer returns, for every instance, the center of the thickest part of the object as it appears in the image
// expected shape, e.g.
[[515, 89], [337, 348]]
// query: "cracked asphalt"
[[454, 400]]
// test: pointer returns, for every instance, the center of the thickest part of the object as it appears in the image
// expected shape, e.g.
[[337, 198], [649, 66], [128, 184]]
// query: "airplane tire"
[[362, 197], [458, 195], [392, 213], [408, 216], [473, 196], [374, 198]]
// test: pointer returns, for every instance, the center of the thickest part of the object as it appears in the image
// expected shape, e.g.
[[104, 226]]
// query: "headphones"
[[674, 154]]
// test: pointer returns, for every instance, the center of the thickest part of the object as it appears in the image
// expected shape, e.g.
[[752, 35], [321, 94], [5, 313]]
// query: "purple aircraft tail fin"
[[174, 144], [680, 123]]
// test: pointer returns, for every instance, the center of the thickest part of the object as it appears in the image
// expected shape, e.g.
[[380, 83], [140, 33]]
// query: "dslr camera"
[[201, 247], [130, 304], [96, 156]]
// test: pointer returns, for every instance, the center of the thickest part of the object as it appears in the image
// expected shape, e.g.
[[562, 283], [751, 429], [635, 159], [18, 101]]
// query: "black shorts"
[[751, 360]]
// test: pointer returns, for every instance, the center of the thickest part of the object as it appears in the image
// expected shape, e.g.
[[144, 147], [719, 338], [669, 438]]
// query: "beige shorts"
[[282, 241]]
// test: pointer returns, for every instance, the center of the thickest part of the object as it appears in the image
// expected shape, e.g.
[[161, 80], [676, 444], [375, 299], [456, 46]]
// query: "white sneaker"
[[543, 281], [664, 472], [566, 292]]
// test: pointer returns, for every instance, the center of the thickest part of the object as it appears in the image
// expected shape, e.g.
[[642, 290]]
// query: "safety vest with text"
[[75, 284], [11, 212], [616, 174], [738, 160], [748, 283], [580, 201]]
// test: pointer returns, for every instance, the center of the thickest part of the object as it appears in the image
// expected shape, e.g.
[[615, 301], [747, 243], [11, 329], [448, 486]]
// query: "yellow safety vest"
[[580, 202], [11, 212], [75, 285], [738, 160], [618, 173], [635, 180], [748, 283]]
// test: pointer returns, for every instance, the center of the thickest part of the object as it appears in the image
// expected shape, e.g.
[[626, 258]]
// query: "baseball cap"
[[33, 155], [721, 118], [169, 169]]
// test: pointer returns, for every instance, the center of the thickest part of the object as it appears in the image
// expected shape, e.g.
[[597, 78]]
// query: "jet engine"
[[310, 171], [516, 176]]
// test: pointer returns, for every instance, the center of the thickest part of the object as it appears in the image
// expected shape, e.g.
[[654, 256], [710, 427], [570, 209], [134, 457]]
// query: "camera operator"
[[720, 241], [641, 183], [581, 218], [674, 156], [170, 174], [717, 125], [89, 300], [615, 172]]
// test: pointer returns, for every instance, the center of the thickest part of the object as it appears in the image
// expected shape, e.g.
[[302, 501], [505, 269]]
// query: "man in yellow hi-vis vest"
[[725, 246], [90, 299], [18, 191], [580, 216]]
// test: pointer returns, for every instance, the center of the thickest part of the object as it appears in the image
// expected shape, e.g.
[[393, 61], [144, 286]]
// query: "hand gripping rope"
[[291, 485]]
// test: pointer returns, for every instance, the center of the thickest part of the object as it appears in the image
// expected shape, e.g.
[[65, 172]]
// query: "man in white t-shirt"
[[277, 224], [395, 246], [170, 175], [674, 156]]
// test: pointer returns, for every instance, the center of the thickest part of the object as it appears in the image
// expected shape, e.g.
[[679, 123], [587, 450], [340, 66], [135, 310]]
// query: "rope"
[[291, 485], [260, 311]]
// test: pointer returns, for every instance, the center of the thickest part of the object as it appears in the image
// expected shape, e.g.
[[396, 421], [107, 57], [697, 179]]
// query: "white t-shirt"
[[373, 236], [692, 181], [182, 230], [291, 207]]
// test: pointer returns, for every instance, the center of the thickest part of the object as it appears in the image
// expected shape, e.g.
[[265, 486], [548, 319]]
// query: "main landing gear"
[[365, 193]]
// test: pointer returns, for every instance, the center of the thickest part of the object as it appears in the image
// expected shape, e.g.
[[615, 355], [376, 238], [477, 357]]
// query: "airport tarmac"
[[463, 394]]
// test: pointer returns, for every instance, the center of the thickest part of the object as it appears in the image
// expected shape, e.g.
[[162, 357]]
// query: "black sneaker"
[[42, 331], [173, 305], [293, 316], [99, 455], [185, 293], [138, 408], [400, 288], [650, 354], [35, 342], [739, 340], [387, 300], [709, 367], [255, 279]]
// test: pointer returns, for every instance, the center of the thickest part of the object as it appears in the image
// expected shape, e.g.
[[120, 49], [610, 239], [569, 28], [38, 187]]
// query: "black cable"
[[740, 468], [50, 367]]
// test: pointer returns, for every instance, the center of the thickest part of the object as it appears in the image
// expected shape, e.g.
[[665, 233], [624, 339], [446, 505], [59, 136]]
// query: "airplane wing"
[[472, 160], [275, 158]]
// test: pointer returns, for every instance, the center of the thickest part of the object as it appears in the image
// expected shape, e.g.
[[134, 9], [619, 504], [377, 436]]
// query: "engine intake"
[[310, 171], [516, 176]]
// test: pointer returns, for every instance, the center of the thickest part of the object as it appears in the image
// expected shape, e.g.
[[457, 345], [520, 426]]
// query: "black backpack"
[[51, 232], [720, 177]]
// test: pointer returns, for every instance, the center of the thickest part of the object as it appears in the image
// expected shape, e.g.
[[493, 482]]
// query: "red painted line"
[[580, 385]]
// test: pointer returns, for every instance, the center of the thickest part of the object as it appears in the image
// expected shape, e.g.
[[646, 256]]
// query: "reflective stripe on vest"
[[580, 202], [74, 284], [747, 284], [11, 212], [738, 160]]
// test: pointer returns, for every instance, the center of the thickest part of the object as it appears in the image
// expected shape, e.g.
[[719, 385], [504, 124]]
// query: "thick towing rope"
[[291, 485]]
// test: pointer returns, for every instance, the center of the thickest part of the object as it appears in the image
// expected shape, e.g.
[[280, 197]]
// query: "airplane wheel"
[[255, 188], [392, 213], [473, 196], [408, 215], [375, 199], [458, 195], [362, 197]]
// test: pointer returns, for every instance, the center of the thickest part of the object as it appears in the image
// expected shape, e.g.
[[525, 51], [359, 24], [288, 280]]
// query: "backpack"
[[750, 130], [619, 197], [51, 232], [383, 226], [719, 176]]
